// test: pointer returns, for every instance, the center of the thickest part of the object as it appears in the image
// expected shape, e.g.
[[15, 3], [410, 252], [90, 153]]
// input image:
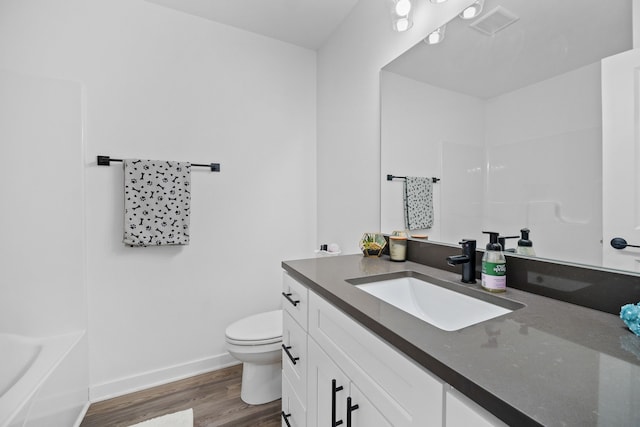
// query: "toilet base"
[[261, 383]]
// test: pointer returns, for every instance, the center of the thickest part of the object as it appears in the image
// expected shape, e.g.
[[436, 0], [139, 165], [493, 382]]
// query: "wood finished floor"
[[214, 397]]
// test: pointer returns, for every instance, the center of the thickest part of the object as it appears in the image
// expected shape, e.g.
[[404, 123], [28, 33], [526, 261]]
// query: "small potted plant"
[[372, 244]]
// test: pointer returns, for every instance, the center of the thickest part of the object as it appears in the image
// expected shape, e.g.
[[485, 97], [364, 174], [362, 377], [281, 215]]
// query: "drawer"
[[293, 411], [295, 300], [294, 358]]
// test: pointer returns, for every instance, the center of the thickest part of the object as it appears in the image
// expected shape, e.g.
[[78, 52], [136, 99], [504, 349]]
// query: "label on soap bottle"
[[494, 277]]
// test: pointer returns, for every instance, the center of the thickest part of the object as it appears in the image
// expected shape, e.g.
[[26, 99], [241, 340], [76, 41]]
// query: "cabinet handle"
[[286, 350], [285, 416], [334, 390], [349, 410], [288, 297]]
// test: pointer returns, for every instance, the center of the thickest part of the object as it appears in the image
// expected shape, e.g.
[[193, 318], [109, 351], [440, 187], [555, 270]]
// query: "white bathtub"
[[25, 364]]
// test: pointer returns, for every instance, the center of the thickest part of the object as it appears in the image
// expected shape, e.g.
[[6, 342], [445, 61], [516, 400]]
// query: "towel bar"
[[391, 177], [106, 161]]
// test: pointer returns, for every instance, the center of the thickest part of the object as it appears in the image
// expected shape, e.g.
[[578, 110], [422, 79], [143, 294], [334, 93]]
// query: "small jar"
[[398, 248]]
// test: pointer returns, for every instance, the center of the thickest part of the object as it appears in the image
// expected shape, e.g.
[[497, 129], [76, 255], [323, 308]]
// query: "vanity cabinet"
[[387, 388], [294, 352], [335, 373]]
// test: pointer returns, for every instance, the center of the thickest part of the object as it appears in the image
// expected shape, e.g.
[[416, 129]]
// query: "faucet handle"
[[468, 244], [502, 239]]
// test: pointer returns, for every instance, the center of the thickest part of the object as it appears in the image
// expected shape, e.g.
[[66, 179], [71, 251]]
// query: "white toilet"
[[257, 342]]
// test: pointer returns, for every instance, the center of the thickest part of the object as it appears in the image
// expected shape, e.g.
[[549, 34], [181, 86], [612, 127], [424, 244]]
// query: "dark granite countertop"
[[550, 363]]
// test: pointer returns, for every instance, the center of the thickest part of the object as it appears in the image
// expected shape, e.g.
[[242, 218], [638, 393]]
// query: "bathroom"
[[293, 127]]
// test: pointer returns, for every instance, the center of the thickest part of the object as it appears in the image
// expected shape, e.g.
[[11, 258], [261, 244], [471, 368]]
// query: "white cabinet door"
[[327, 389], [405, 393], [462, 412], [363, 412], [334, 400]]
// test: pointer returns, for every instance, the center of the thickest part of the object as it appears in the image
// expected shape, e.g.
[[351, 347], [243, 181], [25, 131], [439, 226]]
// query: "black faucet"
[[467, 259], [502, 241]]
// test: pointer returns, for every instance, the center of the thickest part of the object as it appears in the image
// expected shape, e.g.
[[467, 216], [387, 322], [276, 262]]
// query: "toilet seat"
[[259, 329], [253, 342]]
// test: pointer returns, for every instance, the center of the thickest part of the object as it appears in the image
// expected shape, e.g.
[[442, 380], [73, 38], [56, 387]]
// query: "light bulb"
[[469, 12], [403, 7], [473, 10], [402, 24], [436, 36]]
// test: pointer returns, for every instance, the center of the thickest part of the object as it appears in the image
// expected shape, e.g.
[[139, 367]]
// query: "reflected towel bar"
[[391, 177], [106, 161]]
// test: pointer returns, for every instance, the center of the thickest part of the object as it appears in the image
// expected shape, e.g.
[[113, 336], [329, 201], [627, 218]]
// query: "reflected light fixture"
[[401, 19], [436, 36], [472, 11], [402, 24], [438, 1], [403, 7]]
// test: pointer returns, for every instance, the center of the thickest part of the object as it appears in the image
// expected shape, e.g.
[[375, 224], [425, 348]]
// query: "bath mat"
[[177, 419]]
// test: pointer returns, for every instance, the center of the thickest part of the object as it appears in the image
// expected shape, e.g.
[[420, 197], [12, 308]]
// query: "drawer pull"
[[288, 297], [334, 390], [286, 350], [284, 417], [349, 410]]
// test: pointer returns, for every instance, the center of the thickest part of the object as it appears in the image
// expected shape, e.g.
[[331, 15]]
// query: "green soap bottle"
[[494, 265]]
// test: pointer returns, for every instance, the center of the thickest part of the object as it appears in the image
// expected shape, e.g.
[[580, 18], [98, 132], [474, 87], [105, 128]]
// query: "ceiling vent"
[[493, 21]]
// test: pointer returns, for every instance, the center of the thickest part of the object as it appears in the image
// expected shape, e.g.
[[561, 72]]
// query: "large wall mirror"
[[508, 115]]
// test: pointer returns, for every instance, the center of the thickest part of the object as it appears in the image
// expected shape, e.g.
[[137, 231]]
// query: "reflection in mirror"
[[509, 116]]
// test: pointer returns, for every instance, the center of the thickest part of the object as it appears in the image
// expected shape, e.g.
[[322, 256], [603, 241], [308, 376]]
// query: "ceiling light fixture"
[[402, 24], [472, 11], [436, 36], [401, 15], [403, 7]]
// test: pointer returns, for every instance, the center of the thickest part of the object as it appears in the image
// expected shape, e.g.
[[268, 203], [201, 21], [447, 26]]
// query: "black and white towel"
[[418, 203], [157, 200]]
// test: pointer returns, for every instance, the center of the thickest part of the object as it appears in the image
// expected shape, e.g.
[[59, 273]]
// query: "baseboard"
[[144, 380], [81, 415]]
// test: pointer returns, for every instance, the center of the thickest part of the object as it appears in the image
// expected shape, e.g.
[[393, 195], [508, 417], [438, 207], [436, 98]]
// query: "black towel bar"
[[106, 161], [391, 177]]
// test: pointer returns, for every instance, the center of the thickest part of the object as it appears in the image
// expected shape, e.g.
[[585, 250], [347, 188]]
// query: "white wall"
[[166, 85], [349, 113]]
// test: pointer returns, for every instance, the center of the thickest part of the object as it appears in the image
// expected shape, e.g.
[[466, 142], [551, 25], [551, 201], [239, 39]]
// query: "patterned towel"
[[418, 203], [157, 198]]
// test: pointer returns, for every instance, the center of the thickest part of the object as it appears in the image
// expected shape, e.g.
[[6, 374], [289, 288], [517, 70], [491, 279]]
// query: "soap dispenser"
[[525, 246], [494, 265]]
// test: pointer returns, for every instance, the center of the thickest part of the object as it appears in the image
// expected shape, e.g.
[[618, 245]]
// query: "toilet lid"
[[259, 327]]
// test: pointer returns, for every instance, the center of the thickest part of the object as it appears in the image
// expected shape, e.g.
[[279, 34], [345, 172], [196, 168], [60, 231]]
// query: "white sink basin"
[[444, 308]]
